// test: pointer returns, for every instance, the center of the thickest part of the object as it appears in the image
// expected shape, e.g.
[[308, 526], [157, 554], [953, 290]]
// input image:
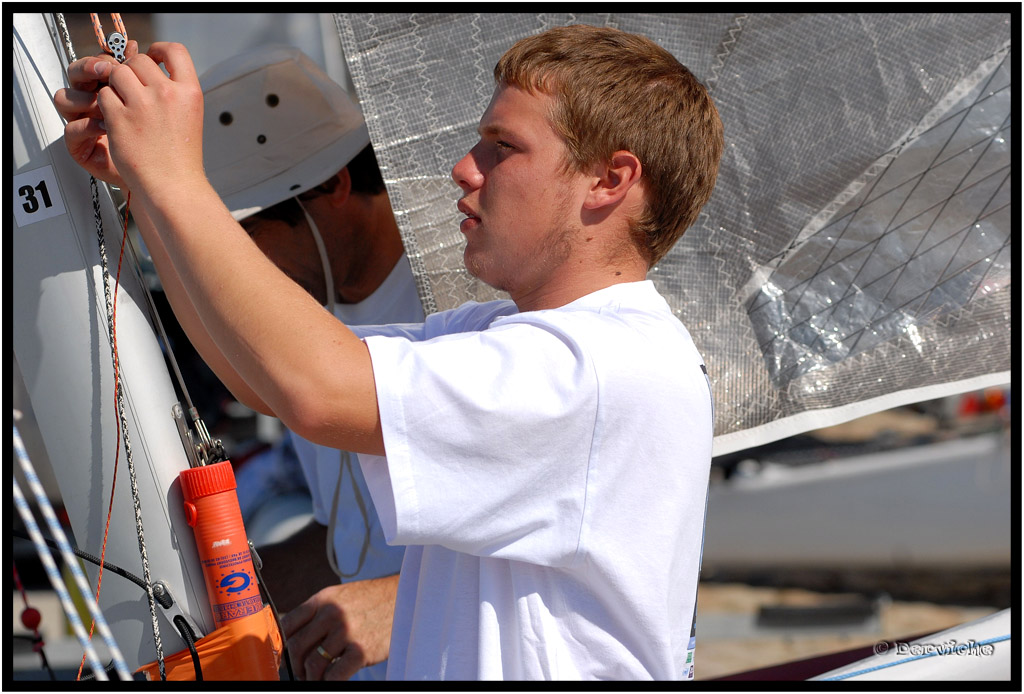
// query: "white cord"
[[324, 260], [346, 462], [346, 459], [70, 561]]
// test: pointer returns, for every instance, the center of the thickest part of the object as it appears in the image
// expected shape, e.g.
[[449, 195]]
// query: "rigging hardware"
[[117, 42], [172, 608]]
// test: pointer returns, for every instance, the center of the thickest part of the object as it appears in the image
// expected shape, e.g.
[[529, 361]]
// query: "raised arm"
[[88, 144], [308, 368], [190, 322]]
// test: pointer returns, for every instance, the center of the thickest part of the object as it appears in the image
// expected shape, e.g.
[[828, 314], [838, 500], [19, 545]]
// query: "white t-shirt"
[[395, 301], [548, 471]]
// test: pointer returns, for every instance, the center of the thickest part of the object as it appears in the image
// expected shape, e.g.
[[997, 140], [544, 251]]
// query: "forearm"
[[295, 358], [308, 368], [186, 315]]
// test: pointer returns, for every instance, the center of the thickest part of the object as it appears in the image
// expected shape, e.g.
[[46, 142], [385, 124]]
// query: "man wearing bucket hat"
[[288, 151]]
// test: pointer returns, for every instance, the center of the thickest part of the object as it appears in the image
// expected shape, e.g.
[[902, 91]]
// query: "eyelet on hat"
[[288, 122]]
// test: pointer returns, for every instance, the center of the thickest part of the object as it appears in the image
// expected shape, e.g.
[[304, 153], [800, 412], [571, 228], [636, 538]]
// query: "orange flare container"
[[211, 508]]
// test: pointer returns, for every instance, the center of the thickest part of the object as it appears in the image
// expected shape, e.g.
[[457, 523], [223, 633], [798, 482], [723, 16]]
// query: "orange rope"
[[98, 28], [117, 444]]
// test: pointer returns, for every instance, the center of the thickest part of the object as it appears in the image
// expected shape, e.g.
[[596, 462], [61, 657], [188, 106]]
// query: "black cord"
[[38, 640], [183, 628], [90, 558], [46, 663], [273, 610], [190, 640], [110, 669]]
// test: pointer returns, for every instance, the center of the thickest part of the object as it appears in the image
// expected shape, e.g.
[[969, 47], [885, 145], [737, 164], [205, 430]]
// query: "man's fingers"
[[175, 58], [87, 145], [314, 665], [304, 641], [345, 665], [83, 75], [73, 104], [109, 102], [80, 140], [83, 132], [295, 618], [145, 69]]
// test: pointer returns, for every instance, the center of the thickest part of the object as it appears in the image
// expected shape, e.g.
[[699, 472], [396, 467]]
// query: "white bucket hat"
[[274, 126]]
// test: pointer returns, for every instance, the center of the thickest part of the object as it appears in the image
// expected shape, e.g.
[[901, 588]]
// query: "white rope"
[[70, 561]]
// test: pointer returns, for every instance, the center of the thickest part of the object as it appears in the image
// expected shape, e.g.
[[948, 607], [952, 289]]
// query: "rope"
[[117, 442], [190, 640], [97, 214], [136, 501], [257, 565], [69, 559]]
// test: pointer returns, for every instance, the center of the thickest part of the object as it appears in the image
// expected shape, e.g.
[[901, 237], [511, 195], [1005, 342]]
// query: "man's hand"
[[84, 136], [154, 121], [350, 621]]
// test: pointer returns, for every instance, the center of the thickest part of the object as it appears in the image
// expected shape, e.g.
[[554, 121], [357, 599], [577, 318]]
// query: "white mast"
[[62, 346]]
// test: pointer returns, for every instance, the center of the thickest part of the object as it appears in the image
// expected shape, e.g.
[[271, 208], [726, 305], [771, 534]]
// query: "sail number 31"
[[37, 195]]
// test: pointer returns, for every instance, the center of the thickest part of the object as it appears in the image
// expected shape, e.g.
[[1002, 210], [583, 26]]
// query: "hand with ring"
[[341, 629], [325, 654]]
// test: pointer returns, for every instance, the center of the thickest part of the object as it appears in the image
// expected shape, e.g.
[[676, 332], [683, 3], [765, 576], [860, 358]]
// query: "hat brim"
[[304, 176]]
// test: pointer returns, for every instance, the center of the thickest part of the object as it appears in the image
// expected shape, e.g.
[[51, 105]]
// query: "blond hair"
[[619, 91]]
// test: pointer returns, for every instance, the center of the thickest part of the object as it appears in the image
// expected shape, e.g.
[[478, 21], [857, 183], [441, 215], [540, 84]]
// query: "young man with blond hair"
[[545, 459]]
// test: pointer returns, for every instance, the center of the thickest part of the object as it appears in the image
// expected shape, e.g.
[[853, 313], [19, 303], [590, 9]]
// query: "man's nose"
[[467, 174]]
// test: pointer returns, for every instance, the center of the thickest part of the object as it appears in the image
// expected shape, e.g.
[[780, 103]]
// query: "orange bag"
[[244, 649]]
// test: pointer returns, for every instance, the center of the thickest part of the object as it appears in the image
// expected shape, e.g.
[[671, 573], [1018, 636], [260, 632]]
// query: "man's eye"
[[503, 145]]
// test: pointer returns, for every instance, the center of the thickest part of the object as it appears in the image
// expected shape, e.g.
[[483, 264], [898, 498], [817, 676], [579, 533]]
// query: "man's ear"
[[342, 190], [613, 180]]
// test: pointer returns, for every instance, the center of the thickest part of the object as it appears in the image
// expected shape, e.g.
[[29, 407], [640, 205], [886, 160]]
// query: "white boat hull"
[[945, 504]]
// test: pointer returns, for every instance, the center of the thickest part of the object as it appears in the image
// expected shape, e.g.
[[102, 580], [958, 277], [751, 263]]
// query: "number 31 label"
[[36, 196]]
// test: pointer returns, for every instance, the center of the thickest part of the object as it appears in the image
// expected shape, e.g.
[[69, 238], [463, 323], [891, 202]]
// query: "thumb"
[[132, 49]]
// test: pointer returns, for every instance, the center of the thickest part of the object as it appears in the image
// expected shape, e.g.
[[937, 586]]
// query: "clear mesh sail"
[[855, 254]]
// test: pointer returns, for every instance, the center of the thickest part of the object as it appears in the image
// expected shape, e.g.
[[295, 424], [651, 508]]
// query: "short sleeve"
[[487, 437]]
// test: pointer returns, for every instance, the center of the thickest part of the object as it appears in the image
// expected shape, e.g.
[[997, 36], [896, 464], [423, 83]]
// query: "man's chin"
[[478, 269]]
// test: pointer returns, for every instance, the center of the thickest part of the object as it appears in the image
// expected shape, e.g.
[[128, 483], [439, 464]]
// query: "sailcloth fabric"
[[855, 254]]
